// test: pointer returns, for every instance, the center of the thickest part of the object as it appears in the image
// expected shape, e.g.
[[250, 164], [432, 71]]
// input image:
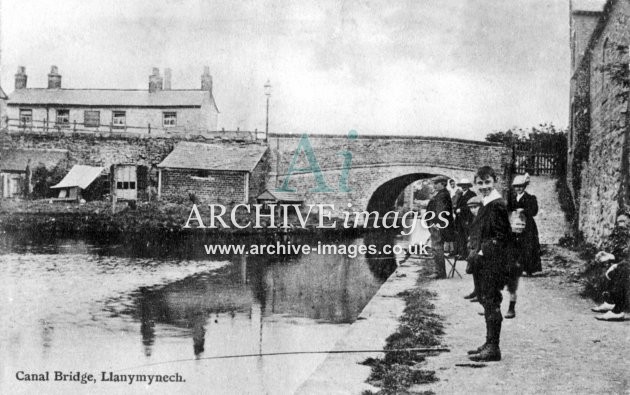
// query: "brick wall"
[[223, 187], [603, 178]]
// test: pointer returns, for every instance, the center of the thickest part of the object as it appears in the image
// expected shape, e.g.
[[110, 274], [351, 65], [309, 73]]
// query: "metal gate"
[[538, 157]]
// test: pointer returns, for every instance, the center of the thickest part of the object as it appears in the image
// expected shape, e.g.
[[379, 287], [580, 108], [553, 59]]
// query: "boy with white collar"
[[489, 262]]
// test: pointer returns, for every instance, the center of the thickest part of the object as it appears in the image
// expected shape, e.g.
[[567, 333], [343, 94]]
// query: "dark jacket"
[[618, 244], [464, 217], [527, 242], [491, 234], [439, 203]]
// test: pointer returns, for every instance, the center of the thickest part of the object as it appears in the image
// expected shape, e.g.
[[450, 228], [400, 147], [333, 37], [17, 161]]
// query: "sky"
[[454, 68]]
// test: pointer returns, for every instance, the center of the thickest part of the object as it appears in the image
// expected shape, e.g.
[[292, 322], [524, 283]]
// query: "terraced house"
[[159, 109]]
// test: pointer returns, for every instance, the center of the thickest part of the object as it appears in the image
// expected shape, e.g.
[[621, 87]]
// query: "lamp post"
[[268, 94]]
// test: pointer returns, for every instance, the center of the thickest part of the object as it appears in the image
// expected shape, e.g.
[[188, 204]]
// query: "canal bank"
[[99, 217], [554, 345], [348, 373]]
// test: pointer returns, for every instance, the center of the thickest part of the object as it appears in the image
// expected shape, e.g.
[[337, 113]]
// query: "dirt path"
[[550, 219], [554, 345]]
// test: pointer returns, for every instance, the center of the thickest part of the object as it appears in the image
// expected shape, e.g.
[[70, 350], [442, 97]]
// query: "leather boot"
[[493, 334], [478, 349], [473, 294], [511, 313], [488, 354]]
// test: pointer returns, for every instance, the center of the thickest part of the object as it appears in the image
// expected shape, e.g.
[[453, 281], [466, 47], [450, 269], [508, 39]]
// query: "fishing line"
[[270, 354]]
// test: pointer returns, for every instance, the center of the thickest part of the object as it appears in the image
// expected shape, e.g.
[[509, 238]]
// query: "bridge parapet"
[[378, 161]]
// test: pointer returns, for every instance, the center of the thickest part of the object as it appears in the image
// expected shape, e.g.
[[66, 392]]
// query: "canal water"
[[165, 307]]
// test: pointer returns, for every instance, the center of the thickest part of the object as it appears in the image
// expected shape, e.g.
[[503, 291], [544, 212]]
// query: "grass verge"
[[419, 326]]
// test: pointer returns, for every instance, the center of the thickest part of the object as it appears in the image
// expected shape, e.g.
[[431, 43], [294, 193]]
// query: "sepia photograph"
[[315, 197]]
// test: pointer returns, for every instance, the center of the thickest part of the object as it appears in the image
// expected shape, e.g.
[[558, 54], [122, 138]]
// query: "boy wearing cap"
[[463, 217], [526, 205], [439, 203], [473, 206]]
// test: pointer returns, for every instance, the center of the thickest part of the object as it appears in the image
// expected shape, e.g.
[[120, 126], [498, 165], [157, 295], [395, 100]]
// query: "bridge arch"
[[383, 199], [383, 191], [380, 168]]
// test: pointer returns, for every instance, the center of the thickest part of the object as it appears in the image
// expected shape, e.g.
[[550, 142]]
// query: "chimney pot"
[[21, 78], [167, 79], [155, 81], [54, 79], [206, 80]]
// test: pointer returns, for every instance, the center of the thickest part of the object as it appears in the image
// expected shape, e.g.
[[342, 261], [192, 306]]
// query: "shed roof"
[[281, 196], [200, 156], [80, 176], [17, 159], [110, 97]]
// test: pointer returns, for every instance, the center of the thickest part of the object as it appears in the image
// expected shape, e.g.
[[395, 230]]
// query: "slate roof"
[[280, 196], [110, 97], [17, 159], [3, 96], [200, 156], [80, 176]]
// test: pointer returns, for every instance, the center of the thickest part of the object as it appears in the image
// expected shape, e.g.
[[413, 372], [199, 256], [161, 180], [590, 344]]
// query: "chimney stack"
[[54, 79], [206, 80], [155, 81], [20, 78], [167, 79]]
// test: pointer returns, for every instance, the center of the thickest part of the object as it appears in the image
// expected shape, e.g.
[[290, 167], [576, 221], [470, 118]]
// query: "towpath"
[[554, 345]]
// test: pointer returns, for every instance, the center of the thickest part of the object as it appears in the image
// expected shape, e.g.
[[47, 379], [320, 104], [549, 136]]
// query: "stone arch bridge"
[[381, 166]]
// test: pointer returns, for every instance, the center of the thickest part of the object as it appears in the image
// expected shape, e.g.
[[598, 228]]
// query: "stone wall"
[[393, 162], [579, 128], [376, 161], [105, 150], [603, 179]]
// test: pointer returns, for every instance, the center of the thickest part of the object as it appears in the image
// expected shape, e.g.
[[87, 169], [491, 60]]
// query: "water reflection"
[[174, 301]]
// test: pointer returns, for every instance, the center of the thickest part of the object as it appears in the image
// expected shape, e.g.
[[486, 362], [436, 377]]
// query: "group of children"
[[501, 243]]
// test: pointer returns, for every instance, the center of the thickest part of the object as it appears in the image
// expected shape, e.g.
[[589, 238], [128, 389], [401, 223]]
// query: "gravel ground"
[[553, 346], [550, 219]]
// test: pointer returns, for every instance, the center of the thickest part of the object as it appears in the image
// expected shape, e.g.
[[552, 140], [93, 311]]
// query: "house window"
[[126, 185], [92, 119], [119, 119], [169, 119], [63, 118], [26, 117]]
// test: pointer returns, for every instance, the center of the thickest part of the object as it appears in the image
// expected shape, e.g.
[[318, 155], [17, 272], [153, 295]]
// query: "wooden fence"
[[36, 126]]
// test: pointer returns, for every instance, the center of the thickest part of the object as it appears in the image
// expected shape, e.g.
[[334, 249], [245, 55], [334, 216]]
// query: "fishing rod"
[[271, 354]]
